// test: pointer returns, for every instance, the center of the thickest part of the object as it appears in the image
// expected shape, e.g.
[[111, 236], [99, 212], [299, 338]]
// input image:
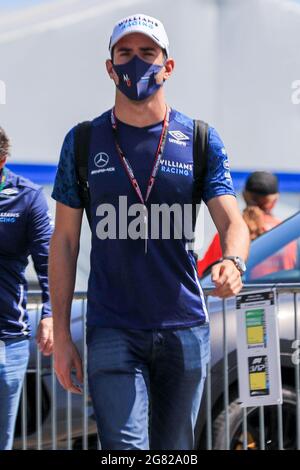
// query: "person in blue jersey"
[[25, 229], [147, 322]]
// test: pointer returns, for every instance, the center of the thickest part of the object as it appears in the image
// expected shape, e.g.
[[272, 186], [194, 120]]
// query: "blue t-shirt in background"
[[25, 229]]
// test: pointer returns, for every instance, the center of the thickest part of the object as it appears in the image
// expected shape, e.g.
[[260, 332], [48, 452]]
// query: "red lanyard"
[[158, 156]]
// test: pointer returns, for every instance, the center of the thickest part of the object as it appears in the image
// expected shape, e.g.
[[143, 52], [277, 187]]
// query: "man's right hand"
[[66, 358]]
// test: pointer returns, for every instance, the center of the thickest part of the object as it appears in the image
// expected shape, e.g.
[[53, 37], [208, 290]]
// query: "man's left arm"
[[234, 237], [220, 198], [40, 229]]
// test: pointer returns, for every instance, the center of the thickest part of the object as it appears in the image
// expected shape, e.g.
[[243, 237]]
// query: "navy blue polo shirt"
[[25, 229], [127, 287]]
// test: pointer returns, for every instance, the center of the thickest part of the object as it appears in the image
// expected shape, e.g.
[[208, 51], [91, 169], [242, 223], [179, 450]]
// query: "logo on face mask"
[[127, 79]]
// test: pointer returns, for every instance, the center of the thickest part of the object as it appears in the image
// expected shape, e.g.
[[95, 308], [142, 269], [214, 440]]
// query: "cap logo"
[[133, 20], [142, 24]]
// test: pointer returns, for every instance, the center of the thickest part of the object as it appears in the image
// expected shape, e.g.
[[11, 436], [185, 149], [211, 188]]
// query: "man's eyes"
[[126, 53]]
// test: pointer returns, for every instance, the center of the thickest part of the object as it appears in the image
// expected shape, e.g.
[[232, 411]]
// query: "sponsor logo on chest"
[[179, 138], [101, 163], [8, 192], [9, 217], [177, 168]]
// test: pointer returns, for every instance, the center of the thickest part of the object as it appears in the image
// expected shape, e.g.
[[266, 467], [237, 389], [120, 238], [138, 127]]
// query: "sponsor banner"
[[258, 350]]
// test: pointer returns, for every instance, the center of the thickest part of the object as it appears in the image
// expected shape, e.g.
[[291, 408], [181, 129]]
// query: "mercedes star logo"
[[101, 160]]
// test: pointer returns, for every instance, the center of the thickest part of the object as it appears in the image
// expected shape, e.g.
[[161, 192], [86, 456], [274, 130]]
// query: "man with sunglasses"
[[147, 323]]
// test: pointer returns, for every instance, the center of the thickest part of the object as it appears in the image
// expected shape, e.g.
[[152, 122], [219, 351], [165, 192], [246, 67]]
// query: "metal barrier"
[[52, 418], [51, 431]]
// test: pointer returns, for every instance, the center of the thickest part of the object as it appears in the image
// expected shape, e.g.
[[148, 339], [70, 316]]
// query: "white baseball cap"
[[140, 23]]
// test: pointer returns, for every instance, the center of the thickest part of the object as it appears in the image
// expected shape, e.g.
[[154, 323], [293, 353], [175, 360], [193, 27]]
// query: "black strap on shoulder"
[[200, 157], [82, 148], [200, 150]]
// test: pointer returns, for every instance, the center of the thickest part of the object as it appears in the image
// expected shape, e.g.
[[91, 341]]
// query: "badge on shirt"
[[9, 192]]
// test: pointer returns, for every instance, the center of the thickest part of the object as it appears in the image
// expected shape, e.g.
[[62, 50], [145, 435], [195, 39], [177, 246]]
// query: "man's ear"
[[166, 71], [169, 67], [111, 72]]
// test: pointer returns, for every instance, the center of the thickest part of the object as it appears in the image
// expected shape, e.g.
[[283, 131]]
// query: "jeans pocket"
[[107, 350], [202, 332]]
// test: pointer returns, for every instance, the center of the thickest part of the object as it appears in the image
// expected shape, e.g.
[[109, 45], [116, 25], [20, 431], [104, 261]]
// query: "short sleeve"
[[65, 188], [218, 179]]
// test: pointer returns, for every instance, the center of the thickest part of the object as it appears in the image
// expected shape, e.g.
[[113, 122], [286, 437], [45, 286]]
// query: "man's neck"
[[140, 113]]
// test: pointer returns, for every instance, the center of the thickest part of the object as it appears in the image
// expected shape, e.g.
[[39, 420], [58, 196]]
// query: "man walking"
[[147, 323], [25, 229]]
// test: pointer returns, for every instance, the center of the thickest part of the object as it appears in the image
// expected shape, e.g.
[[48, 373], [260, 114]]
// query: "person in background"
[[261, 194], [25, 229]]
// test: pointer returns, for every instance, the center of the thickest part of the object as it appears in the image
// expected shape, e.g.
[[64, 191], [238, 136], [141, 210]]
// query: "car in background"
[[268, 253], [270, 245]]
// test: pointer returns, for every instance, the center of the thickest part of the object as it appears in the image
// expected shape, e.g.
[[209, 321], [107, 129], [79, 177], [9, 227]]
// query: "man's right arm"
[[64, 249]]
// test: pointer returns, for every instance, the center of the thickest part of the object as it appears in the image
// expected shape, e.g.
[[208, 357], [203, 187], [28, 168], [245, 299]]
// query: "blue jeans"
[[14, 356], [133, 371]]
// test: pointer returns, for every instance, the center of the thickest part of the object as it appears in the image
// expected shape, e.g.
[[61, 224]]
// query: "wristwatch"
[[239, 263]]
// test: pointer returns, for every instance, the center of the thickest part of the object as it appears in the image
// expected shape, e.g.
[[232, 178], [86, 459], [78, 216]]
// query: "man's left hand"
[[44, 337], [226, 278]]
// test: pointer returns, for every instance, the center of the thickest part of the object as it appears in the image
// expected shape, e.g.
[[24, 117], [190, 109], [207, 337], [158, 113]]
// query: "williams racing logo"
[[9, 217], [101, 161], [176, 168], [138, 20]]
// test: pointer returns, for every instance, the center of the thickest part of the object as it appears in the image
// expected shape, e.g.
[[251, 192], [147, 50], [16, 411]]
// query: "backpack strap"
[[81, 149], [200, 156]]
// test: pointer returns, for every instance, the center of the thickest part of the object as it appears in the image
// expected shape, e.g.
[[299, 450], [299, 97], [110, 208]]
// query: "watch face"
[[241, 264]]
